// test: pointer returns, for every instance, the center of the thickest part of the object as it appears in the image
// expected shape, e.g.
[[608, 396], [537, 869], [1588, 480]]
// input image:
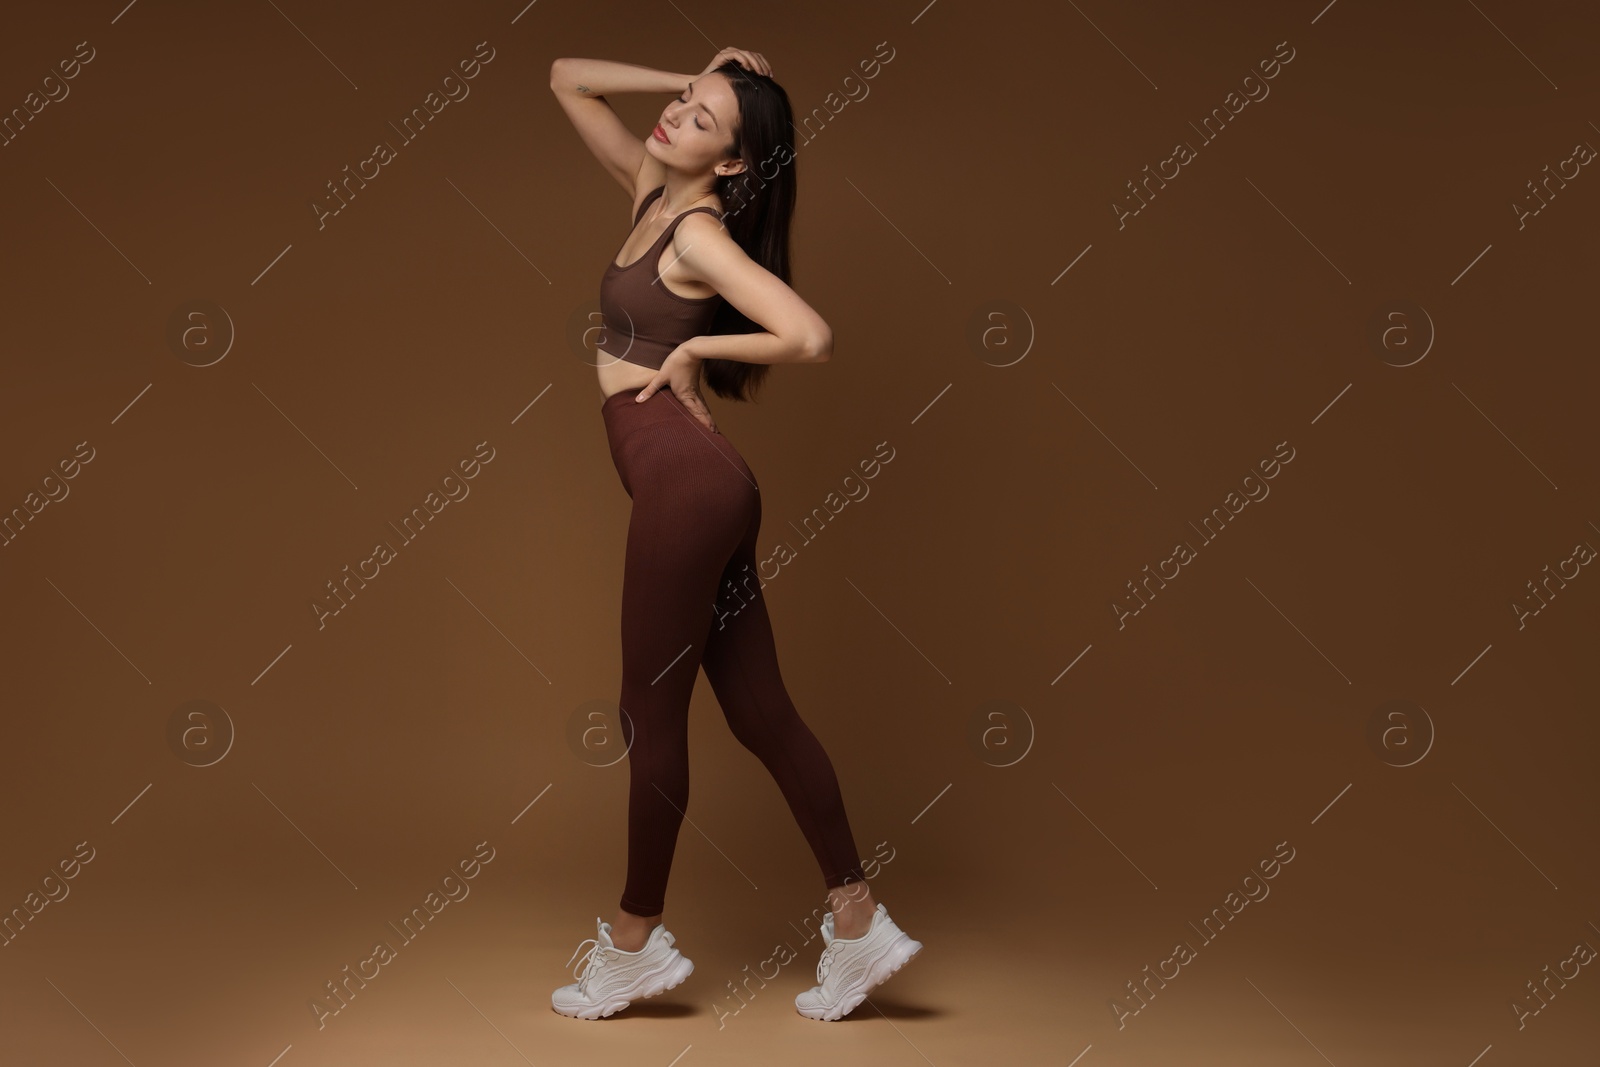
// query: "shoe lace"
[[824, 964], [591, 961]]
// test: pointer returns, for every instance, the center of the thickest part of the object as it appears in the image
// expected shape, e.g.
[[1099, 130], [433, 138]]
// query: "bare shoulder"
[[704, 251], [701, 227]]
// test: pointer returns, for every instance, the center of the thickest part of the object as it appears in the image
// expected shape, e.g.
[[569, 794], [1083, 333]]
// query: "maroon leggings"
[[691, 598]]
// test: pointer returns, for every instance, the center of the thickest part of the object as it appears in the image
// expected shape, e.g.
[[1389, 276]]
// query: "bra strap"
[[685, 214], [666, 236], [648, 197]]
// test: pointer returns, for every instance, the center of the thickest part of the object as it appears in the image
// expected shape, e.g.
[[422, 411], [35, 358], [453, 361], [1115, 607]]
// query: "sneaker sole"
[[896, 956], [671, 978]]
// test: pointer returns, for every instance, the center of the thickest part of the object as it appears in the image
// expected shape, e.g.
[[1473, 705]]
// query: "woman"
[[684, 295]]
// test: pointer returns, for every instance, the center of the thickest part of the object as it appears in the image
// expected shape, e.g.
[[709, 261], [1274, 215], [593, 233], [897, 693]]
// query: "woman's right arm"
[[580, 86]]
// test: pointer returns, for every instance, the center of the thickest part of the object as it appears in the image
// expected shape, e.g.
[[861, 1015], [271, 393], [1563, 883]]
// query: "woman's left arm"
[[704, 251], [794, 332]]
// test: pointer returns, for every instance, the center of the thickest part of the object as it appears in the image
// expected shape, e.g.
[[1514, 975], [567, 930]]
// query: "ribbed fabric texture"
[[642, 320], [691, 598]]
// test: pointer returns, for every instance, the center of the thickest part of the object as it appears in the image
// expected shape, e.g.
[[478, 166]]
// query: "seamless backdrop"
[[1186, 558]]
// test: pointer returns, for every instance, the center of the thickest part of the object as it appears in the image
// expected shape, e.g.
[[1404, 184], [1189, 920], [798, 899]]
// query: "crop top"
[[642, 320]]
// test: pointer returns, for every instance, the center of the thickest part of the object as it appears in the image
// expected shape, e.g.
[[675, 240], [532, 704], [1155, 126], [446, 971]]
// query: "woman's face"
[[698, 126]]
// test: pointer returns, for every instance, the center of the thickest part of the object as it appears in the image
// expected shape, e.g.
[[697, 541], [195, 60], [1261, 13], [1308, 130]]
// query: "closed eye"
[[681, 100]]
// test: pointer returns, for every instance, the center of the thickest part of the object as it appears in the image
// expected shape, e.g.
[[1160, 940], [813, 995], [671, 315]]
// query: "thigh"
[[690, 513], [739, 644]]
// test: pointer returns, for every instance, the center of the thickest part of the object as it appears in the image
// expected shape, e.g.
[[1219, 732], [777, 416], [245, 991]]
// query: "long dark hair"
[[757, 207]]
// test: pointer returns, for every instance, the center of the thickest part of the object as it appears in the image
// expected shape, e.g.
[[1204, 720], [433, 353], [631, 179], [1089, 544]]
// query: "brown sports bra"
[[642, 320]]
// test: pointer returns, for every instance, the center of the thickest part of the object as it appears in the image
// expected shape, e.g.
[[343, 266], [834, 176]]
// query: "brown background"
[[1144, 384]]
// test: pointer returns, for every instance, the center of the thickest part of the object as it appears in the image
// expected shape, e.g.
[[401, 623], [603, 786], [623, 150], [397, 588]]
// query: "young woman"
[[700, 286]]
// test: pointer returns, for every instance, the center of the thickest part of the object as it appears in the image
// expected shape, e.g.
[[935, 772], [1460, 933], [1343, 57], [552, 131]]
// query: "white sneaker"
[[612, 978], [850, 969]]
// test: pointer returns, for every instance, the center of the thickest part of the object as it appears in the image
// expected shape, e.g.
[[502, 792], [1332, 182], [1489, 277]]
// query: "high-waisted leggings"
[[691, 598]]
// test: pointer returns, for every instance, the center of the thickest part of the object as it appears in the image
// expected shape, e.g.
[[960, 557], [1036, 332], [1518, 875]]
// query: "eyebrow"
[[690, 92]]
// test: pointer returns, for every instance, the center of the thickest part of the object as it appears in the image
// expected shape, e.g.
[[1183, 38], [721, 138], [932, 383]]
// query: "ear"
[[730, 167]]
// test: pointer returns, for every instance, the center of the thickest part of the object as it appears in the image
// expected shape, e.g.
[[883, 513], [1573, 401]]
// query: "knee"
[[661, 761], [766, 737]]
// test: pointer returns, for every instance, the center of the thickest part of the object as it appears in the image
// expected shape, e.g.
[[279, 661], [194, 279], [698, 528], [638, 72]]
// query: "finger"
[[698, 410]]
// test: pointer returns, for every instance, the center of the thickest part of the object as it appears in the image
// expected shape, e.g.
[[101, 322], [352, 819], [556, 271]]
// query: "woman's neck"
[[683, 194]]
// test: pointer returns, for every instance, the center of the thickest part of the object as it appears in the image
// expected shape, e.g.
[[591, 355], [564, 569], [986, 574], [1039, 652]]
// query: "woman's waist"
[[639, 348], [616, 375], [661, 430]]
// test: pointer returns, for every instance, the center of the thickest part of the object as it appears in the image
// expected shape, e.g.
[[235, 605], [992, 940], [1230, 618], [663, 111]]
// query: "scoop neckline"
[[646, 254]]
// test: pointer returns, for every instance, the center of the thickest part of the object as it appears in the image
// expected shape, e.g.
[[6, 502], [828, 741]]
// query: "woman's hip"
[[660, 442]]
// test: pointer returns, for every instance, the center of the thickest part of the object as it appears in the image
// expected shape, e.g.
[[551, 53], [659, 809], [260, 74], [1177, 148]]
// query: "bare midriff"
[[617, 375]]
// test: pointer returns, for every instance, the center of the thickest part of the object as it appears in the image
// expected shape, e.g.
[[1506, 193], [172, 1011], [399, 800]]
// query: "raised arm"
[[580, 86]]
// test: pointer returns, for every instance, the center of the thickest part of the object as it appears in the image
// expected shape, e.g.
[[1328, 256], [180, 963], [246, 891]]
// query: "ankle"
[[630, 933], [853, 919], [848, 929]]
